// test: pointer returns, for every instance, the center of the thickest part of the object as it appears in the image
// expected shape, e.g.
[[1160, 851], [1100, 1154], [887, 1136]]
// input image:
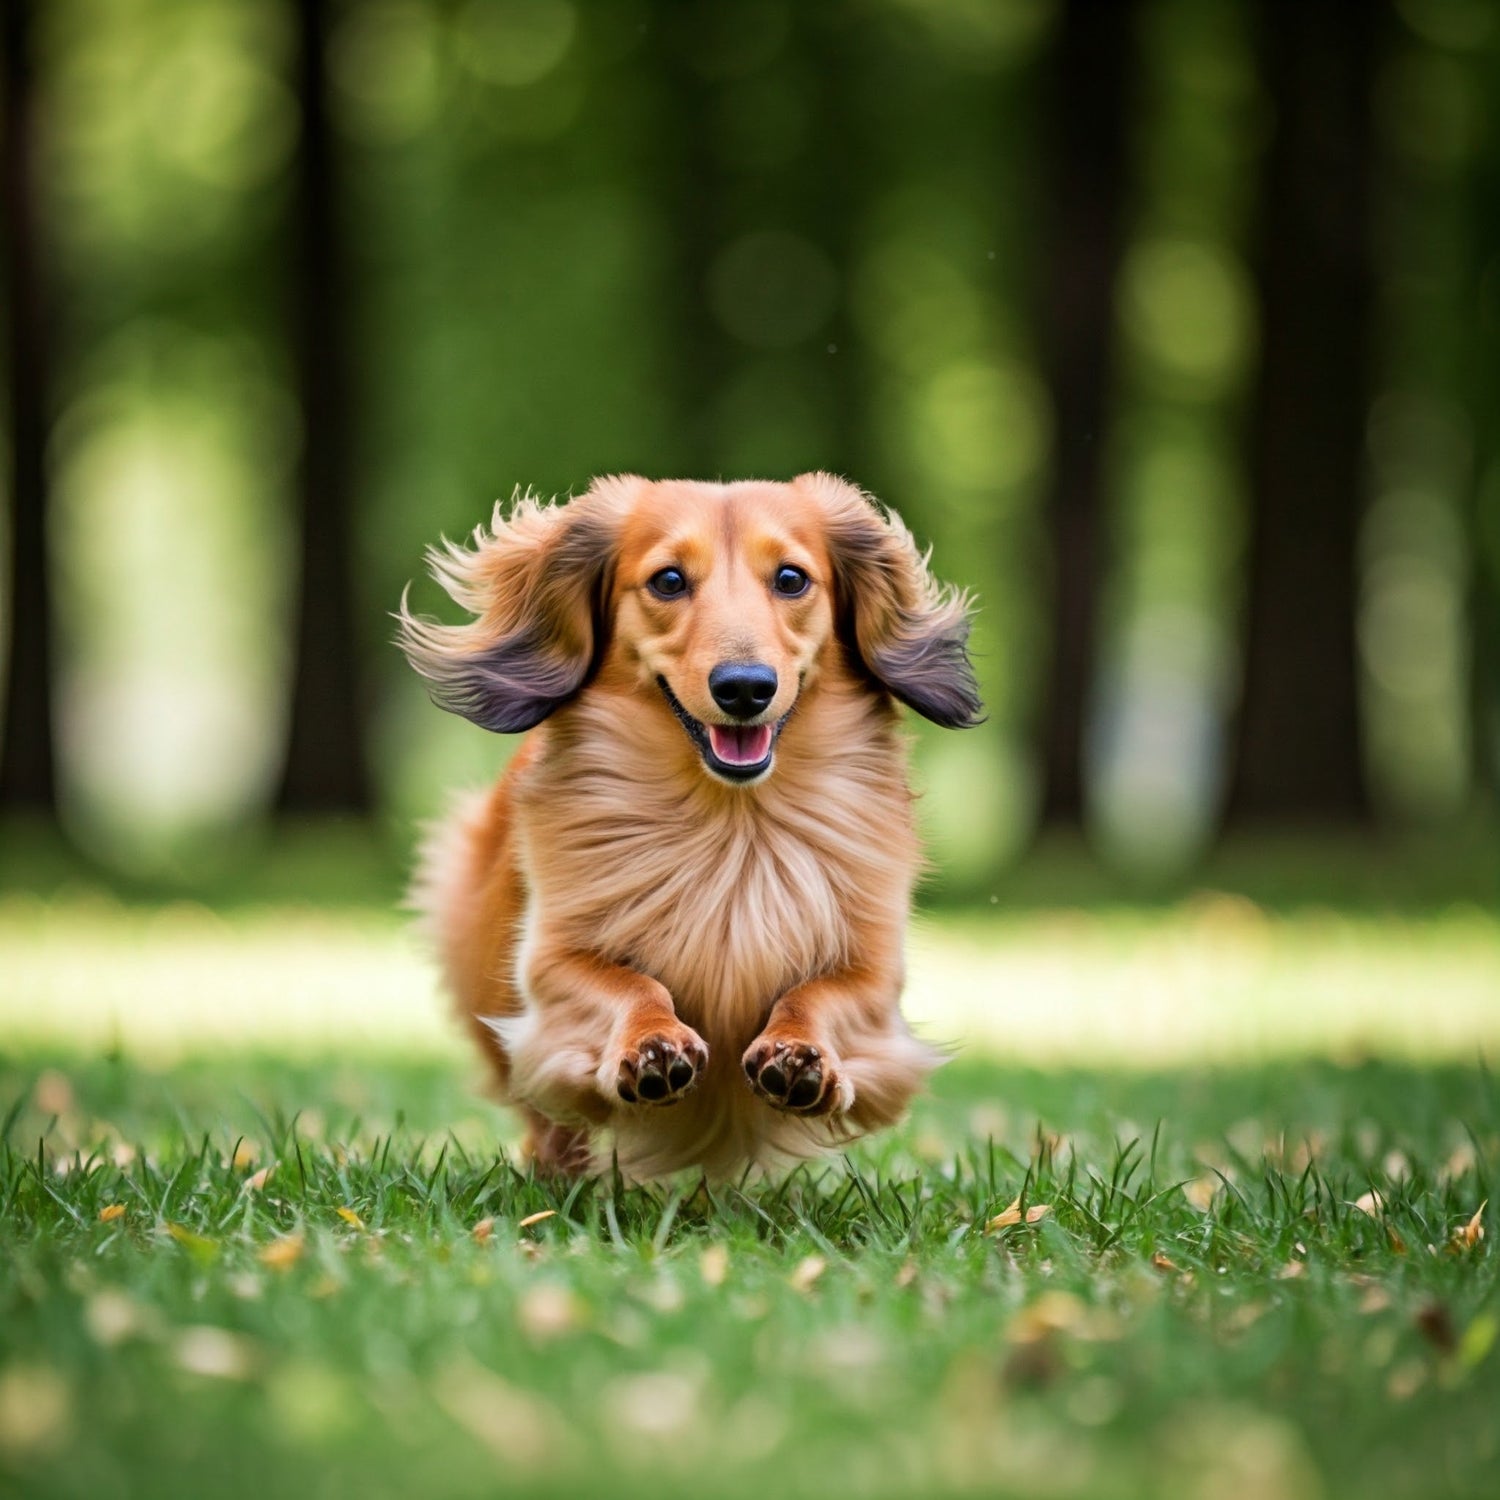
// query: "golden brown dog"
[[680, 913]]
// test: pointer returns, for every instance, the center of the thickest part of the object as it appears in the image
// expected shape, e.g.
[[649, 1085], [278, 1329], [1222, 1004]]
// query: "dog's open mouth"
[[736, 752]]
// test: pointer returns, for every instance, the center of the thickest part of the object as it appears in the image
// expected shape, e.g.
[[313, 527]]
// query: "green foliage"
[[1204, 1308]]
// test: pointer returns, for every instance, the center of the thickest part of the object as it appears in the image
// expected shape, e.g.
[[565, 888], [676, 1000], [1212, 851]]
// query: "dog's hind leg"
[[555, 1150]]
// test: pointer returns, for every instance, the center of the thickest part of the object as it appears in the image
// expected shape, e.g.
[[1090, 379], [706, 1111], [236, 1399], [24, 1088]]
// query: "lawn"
[[260, 1235]]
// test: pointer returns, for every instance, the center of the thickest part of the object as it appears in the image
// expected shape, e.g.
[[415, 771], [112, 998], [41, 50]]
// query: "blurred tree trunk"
[[831, 38], [1298, 744], [325, 768], [28, 778], [1088, 106], [690, 210], [1484, 383]]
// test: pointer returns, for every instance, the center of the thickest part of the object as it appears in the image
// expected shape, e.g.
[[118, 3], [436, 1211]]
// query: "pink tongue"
[[740, 745]]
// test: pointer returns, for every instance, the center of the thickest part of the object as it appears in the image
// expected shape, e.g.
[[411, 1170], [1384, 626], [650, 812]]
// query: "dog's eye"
[[667, 584], [790, 581]]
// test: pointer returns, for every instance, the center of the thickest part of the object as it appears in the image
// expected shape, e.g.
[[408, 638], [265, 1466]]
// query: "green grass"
[[1203, 1311]]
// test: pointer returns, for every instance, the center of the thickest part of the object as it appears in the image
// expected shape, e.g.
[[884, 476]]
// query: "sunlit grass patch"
[[1211, 978], [246, 1277]]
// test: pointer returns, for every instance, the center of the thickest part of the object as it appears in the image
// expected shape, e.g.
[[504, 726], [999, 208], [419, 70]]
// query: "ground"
[[252, 1249]]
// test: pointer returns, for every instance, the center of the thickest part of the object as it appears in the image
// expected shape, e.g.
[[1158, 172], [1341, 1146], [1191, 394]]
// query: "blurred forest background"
[[1173, 325]]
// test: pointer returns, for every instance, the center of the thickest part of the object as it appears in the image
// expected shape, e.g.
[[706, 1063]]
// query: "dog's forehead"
[[722, 515]]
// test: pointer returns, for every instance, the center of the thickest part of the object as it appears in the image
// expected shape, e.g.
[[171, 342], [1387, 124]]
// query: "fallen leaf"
[[283, 1252], [246, 1154], [1164, 1263], [1014, 1215], [1370, 1203], [807, 1272], [482, 1231], [351, 1218], [1472, 1232], [1292, 1270], [530, 1219], [110, 1212], [907, 1274], [257, 1180], [713, 1265], [1396, 1242]]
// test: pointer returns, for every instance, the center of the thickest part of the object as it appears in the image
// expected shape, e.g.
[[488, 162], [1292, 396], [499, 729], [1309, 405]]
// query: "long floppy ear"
[[908, 631], [536, 582]]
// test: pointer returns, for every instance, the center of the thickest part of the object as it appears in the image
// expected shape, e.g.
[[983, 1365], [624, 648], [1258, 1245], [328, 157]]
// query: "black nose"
[[742, 688]]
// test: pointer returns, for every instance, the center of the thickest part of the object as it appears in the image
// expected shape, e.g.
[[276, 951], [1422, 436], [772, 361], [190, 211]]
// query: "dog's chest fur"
[[728, 896]]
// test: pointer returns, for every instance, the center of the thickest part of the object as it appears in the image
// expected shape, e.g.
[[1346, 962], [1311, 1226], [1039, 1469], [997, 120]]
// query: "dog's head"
[[721, 604]]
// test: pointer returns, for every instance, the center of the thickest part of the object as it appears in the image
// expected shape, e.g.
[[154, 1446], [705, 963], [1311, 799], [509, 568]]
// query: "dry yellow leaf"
[[257, 1180], [1164, 1263], [482, 1231], [1370, 1203], [1472, 1232], [806, 1275], [110, 1212], [283, 1252], [246, 1154], [351, 1218], [1013, 1215], [713, 1265], [530, 1219]]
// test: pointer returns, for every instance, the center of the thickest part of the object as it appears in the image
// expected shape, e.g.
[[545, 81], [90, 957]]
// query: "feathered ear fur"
[[908, 631], [536, 582]]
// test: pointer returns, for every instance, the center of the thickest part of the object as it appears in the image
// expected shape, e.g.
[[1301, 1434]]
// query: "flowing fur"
[[609, 893]]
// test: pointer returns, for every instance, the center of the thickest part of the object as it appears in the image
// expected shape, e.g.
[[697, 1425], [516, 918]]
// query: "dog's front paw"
[[794, 1076], [662, 1067]]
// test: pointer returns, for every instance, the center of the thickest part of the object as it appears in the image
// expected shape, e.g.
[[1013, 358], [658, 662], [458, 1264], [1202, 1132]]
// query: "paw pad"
[[661, 1069], [790, 1076]]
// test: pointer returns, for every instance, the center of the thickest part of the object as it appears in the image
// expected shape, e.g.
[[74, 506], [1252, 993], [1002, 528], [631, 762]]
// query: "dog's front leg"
[[838, 1045], [595, 1035]]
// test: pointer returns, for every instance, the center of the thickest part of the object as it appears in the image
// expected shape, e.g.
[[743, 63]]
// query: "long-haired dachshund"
[[680, 913]]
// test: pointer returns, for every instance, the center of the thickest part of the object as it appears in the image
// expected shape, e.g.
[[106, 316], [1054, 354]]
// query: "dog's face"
[[723, 603], [719, 604]]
